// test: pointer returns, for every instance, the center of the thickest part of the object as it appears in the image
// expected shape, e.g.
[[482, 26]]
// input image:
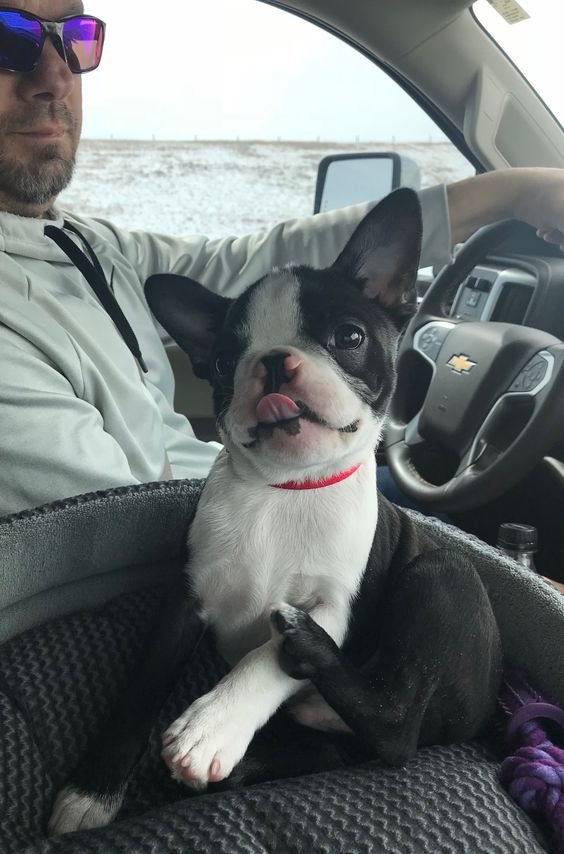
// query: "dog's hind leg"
[[434, 676], [95, 791]]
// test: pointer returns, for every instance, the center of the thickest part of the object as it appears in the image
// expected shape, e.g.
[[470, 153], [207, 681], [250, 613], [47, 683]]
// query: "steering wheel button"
[[537, 373], [531, 376], [431, 340], [518, 383], [427, 340]]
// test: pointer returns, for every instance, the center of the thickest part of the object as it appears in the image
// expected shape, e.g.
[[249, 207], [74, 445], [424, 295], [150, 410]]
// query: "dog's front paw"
[[305, 648], [75, 810], [205, 743]]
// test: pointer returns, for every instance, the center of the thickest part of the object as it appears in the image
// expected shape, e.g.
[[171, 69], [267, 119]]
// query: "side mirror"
[[348, 179]]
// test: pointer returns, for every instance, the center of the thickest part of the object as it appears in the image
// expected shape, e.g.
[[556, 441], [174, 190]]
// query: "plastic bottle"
[[519, 542]]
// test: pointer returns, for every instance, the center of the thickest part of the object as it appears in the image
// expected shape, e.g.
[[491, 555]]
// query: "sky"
[[235, 68], [228, 69]]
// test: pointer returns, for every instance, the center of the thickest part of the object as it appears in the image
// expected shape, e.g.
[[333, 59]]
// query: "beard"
[[37, 181]]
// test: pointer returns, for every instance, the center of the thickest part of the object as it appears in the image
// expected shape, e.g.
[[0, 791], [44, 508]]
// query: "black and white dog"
[[321, 595]]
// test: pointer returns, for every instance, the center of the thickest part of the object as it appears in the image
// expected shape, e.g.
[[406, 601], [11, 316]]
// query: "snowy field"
[[219, 188]]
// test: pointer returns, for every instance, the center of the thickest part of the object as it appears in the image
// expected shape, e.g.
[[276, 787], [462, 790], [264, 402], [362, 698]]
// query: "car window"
[[212, 118]]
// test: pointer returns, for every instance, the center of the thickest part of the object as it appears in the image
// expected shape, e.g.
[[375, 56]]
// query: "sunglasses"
[[78, 40]]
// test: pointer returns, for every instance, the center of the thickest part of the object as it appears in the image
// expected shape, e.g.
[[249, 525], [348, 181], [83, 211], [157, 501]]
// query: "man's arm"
[[450, 215], [229, 265], [533, 195], [52, 443]]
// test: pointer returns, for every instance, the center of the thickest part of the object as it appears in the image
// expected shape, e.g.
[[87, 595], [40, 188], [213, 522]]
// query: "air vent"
[[512, 303]]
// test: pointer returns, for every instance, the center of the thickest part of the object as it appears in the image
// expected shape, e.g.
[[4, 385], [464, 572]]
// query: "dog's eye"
[[348, 336]]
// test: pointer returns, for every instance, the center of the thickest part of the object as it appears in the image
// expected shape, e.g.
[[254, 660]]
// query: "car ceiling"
[[381, 22]]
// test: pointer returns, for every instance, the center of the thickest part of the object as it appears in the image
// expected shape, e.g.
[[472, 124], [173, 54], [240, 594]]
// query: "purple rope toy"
[[533, 773]]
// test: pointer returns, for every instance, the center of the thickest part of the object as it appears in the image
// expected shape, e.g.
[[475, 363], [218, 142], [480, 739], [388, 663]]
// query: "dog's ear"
[[383, 251], [191, 313]]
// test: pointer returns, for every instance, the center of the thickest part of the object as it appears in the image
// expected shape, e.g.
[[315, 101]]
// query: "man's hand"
[[552, 235], [540, 202]]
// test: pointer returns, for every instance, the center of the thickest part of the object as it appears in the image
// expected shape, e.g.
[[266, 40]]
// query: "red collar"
[[317, 484]]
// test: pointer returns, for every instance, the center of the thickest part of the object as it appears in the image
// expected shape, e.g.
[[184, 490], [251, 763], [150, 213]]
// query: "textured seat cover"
[[58, 678]]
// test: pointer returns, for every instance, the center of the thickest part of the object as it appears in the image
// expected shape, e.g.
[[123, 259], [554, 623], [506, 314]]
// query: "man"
[[78, 412]]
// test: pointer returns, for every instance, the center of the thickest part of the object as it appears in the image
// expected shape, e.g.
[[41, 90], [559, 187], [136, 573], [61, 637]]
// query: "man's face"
[[40, 122]]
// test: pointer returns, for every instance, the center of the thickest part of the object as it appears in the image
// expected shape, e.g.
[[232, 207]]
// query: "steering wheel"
[[485, 398]]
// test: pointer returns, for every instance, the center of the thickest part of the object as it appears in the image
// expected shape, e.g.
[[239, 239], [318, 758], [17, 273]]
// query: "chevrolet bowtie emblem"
[[461, 364]]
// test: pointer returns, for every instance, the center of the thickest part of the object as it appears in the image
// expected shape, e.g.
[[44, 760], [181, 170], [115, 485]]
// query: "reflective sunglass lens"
[[83, 40], [21, 39]]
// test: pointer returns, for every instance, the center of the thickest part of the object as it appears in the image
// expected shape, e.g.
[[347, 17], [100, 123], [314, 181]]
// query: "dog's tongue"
[[276, 407]]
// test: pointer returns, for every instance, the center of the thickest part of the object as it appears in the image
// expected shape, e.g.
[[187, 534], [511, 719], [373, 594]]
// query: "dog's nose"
[[277, 369]]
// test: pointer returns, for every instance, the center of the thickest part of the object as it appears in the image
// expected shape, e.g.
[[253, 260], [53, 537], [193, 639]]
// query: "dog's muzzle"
[[290, 420]]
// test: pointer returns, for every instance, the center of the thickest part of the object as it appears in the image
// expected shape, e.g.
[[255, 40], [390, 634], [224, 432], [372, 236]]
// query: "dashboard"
[[523, 284], [495, 293]]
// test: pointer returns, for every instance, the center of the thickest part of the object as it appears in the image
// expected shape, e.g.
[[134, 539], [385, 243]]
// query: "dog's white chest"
[[253, 547]]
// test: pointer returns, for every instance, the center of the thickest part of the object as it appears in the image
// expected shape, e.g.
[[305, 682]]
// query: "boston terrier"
[[322, 595]]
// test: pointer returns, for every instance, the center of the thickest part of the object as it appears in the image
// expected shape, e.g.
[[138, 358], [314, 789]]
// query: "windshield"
[[530, 32]]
